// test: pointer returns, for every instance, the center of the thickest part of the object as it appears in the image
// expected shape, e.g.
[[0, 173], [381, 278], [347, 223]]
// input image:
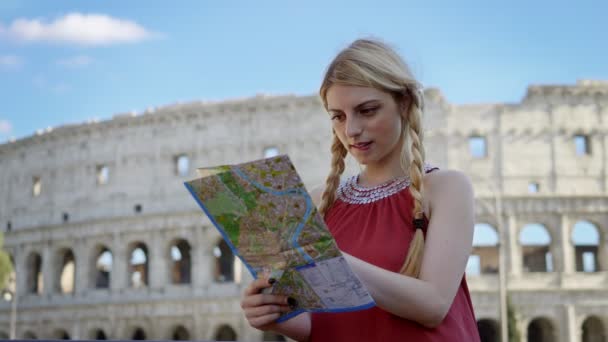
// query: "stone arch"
[[225, 333], [484, 255], [180, 333], [101, 267], [34, 273], [64, 271], [61, 334], [180, 261], [541, 330], [585, 238], [489, 330], [138, 264], [536, 248], [98, 334], [28, 335], [138, 334], [224, 262], [593, 330], [272, 336]]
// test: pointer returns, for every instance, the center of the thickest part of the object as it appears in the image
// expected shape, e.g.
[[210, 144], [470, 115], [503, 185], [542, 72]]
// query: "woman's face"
[[367, 121]]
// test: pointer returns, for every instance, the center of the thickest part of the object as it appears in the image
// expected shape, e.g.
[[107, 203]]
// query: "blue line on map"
[[293, 192]]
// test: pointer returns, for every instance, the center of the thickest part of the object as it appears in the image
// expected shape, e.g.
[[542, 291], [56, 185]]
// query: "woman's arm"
[[448, 244], [297, 328], [262, 310]]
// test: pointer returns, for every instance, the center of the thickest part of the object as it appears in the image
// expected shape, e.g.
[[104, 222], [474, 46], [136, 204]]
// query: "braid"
[[413, 261], [338, 152]]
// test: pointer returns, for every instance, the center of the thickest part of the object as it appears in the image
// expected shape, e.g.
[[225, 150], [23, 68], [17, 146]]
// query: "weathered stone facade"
[[71, 194]]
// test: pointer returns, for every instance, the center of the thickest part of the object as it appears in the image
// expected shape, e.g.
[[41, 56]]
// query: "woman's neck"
[[374, 175]]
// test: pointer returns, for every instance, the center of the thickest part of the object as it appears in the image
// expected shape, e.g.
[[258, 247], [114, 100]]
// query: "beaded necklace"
[[351, 192]]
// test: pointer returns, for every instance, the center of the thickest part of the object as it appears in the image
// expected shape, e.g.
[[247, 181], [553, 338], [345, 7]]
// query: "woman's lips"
[[362, 146]]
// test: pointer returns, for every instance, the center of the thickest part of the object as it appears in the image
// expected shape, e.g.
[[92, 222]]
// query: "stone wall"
[[144, 201]]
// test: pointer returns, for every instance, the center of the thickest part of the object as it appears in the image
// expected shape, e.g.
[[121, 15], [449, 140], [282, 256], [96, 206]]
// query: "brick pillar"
[[573, 331], [21, 271], [602, 257], [202, 258], [81, 269], [47, 270], [514, 250], [157, 263], [567, 250], [120, 262]]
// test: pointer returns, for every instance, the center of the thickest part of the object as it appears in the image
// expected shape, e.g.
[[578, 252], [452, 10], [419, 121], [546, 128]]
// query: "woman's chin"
[[361, 161]]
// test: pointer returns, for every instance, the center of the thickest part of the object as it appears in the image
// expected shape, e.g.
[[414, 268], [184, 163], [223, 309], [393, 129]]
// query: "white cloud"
[[77, 28], [75, 62], [8, 62], [5, 127]]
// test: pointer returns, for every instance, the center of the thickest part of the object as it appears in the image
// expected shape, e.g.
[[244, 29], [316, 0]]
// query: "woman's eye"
[[367, 111], [336, 117]]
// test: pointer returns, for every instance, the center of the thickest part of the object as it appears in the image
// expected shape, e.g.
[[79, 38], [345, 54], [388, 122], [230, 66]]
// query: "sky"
[[71, 61]]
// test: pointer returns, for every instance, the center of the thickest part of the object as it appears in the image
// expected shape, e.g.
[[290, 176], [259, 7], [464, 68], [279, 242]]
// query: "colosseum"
[[108, 244]]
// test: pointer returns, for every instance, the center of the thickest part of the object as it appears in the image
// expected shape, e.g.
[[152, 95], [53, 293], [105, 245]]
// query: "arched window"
[[181, 262], [484, 256], [65, 267], [101, 267], [488, 330], [138, 334], [224, 262], [138, 265], [541, 330], [98, 334], [180, 333], [586, 241], [225, 333], [34, 273], [536, 242], [272, 336], [61, 334], [593, 330]]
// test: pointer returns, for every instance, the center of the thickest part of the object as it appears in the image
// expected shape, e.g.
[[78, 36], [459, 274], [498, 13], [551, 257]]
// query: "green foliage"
[[514, 335], [6, 266]]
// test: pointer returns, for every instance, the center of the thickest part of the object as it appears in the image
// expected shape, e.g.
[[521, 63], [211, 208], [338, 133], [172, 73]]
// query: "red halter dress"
[[375, 225]]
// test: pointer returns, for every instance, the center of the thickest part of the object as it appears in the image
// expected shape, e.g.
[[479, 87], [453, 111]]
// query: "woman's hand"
[[261, 309]]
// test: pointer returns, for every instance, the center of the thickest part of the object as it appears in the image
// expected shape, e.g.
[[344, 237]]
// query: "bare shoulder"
[[447, 183], [316, 193]]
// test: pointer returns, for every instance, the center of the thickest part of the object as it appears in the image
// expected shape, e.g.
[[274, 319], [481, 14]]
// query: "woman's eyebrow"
[[357, 107]]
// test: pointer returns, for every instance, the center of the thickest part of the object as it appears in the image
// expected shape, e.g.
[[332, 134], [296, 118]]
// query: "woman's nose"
[[353, 127]]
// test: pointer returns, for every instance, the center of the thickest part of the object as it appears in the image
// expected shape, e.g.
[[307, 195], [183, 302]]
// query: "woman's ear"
[[406, 103]]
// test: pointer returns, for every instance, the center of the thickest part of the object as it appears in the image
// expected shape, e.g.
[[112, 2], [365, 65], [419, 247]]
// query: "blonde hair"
[[371, 63]]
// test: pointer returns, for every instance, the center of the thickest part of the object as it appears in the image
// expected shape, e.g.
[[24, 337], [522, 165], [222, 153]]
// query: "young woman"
[[405, 228]]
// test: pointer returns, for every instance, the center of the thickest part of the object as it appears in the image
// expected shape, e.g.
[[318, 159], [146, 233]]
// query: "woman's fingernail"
[[292, 302], [271, 281]]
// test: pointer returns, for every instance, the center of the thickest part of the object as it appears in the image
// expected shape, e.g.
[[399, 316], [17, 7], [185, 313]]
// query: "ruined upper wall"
[[527, 142], [584, 92], [533, 141]]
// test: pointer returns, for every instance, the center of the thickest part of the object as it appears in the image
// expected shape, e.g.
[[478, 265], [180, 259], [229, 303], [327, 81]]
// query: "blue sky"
[[70, 61]]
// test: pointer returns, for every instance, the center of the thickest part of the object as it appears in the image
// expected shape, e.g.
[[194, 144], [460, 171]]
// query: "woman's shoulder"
[[442, 182]]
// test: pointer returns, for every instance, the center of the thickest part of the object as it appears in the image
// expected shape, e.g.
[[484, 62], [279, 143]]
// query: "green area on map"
[[268, 218]]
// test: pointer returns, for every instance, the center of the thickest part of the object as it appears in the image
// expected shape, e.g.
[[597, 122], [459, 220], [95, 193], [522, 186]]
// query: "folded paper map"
[[268, 219]]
